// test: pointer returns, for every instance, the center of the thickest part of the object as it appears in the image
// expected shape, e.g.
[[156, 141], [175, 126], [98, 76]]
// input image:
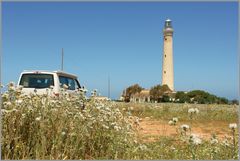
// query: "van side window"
[[70, 82]]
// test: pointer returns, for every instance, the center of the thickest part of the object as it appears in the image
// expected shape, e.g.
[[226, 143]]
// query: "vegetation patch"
[[72, 127]]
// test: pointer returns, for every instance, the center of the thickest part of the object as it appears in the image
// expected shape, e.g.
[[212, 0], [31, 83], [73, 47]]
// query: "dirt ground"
[[150, 130]]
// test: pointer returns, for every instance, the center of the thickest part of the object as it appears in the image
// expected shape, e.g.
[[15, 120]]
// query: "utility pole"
[[62, 60]]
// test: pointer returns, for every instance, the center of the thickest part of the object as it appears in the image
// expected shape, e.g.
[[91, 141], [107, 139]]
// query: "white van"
[[39, 81]]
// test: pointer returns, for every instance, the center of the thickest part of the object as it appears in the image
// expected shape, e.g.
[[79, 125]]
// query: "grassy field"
[[71, 127], [166, 111], [209, 123]]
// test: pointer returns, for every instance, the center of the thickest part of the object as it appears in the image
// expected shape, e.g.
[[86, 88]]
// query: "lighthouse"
[[167, 64]]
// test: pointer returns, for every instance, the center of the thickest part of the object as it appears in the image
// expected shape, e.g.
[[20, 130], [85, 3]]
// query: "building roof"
[[143, 93]]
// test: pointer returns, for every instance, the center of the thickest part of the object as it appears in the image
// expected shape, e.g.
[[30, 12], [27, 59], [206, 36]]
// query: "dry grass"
[[70, 127]]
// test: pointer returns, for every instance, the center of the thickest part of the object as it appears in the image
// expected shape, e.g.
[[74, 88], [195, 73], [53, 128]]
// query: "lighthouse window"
[[165, 38], [164, 72], [165, 55]]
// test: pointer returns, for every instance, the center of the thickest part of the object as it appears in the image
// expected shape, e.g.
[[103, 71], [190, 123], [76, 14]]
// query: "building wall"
[[140, 99]]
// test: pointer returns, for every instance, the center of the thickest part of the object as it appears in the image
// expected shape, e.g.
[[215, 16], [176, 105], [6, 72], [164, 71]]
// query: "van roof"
[[51, 72]]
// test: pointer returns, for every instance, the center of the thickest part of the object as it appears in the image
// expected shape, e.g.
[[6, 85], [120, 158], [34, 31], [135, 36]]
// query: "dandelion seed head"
[[233, 126], [11, 84], [171, 122], [175, 119], [185, 127]]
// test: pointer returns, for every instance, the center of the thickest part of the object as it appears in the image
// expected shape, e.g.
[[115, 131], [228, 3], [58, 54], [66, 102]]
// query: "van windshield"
[[36, 80]]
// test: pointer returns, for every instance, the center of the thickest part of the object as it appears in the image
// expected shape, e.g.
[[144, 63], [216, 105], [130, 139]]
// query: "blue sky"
[[124, 41]]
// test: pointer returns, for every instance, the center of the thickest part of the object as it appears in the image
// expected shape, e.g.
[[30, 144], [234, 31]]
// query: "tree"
[[165, 98], [132, 90], [235, 102], [157, 92], [203, 97], [182, 97], [222, 100]]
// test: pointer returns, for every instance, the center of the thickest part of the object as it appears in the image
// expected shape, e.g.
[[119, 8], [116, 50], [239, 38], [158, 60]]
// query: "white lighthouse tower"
[[167, 66]]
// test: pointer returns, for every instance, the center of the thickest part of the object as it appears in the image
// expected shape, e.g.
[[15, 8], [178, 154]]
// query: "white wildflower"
[[117, 128], [5, 96], [214, 141], [194, 139], [142, 147], [20, 87], [233, 126], [38, 118], [8, 103], [131, 108], [171, 122], [93, 93], [197, 141], [196, 110], [185, 127], [23, 115], [85, 90], [19, 101], [3, 111], [105, 126], [175, 119], [63, 133], [172, 148], [191, 110], [225, 143], [11, 85]]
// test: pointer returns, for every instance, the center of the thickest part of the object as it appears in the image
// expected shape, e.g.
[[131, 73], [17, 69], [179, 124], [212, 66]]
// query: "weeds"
[[72, 127]]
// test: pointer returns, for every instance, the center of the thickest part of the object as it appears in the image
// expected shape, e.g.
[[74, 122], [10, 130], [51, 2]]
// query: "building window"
[[165, 55], [165, 38], [164, 72]]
